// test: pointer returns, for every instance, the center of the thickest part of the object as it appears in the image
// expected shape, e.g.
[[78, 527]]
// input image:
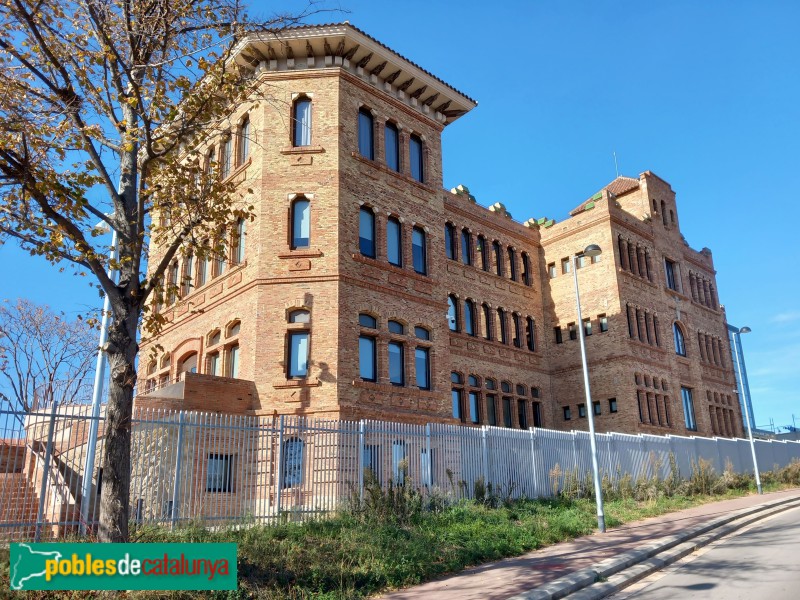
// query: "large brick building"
[[363, 289]]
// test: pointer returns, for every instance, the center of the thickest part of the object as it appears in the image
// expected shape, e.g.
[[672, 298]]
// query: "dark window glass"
[[612, 405], [587, 327], [672, 275], [422, 333], [474, 412], [366, 232], [366, 146], [512, 263], [244, 141], [603, 323], [397, 375], [498, 257], [567, 413], [466, 247], [501, 317], [301, 132], [557, 332], [367, 358], [521, 390], [392, 147], [490, 384], [688, 409], [680, 345], [366, 320], [522, 414], [452, 313], [473, 381], [219, 473], [537, 414], [531, 334], [301, 223], [581, 411], [396, 327], [455, 377], [394, 242], [469, 317], [423, 368], [517, 330], [596, 407], [491, 410], [298, 354], [526, 269], [507, 422], [292, 458], [483, 251], [419, 251], [416, 158], [505, 386], [450, 240], [456, 397], [227, 158], [573, 331], [487, 322]]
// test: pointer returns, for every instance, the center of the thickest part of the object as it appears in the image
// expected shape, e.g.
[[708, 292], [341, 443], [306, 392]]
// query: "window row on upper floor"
[[635, 258], [476, 251], [711, 349], [399, 371], [393, 139], [493, 324], [395, 238], [643, 325], [703, 290], [580, 261], [588, 328], [654, 408], [596, 407], [232, 152], [477, 402]]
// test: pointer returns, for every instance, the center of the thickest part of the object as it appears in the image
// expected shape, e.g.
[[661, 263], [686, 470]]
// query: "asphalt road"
[[761, 562]]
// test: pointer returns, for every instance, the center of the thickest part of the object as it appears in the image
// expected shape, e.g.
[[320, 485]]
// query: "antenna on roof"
[[616, 168]]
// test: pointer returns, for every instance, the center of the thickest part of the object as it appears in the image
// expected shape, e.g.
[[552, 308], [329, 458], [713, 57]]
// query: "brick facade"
[[242, 316]]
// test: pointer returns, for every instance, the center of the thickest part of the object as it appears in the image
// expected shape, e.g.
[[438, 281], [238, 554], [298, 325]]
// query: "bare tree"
[[103, 107], [43, 355]]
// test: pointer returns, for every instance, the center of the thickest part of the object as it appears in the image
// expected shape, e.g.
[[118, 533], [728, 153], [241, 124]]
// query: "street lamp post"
[[591, 251], [745, 401], [97, 392]]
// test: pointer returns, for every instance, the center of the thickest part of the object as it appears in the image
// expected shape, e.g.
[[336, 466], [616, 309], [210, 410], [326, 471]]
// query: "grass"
[[368, 549]]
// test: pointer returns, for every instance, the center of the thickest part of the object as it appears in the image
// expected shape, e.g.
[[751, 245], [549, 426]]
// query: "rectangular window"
[[398, 462], [491, 410], [455, 395], [673, 275], [581, 411], [612, 405], [244, 141], [603, 320], [551, 270], [416, 158], [557, 332], [298, 354], [419, 251], [537, 414], [587, 327], [507, 412], [522, 414], [573, 331], [392, 140], [365, 134], [582, 261], [397, 375], [227, 157], [423, 368], [214, 364], [367, 358], [366, 232], [596, 407], [474, 412], [219, 473], [371, 461], [567, 413], [394, 242], [566, 266], [688, 409]]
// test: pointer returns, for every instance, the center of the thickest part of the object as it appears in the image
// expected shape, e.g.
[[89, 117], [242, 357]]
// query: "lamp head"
[[745, 330], [592, 250]]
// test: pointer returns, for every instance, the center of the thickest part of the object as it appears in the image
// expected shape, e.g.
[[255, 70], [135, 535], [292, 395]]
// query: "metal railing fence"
[[225, 468]]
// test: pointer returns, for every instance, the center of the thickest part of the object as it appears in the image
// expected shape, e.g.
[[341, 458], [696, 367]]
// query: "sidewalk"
[[505, 578]]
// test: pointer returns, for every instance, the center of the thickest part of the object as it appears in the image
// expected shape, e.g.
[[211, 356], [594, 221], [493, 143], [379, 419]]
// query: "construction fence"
[[219, 468]]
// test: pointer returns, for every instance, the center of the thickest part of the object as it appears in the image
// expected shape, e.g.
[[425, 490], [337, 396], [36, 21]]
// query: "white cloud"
[[786, 317]]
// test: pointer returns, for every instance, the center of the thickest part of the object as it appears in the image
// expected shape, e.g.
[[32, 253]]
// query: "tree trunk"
[[115, 499]]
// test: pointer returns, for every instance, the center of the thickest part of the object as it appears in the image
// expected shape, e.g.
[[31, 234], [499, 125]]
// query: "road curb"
[[614, 574]]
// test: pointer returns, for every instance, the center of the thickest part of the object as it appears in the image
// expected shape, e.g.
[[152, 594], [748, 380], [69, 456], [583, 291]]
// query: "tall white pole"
[[598, 491], [97, 397], [745, 399]]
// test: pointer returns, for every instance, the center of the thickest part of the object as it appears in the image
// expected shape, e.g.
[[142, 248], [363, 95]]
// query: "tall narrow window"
[[491, 409], [450, 241], [474, 411], [466, 247], [238, 242], [367, 358], [366, 232], [488, 329], [517, 330], [292, 459], [172, 283], [297, 360], [244, 141], [512, 263], [416, 158], [498, 257], [366, 128], [392, 139], [603, 320], [522, 414], [457, 395], [188, 275], [211, 161], [452, 313], [419, 251], [566, 265], [233, 361], [469, 317], [688, 409], [537, 414], [422, 364], [680, 345], [227, 157], [526, 269], [671, 270], [507, 419], [397, 370], [301, 117], [531, 334], [301, 223], [501, 317], [394, 242], [483, 252], [220, 259]]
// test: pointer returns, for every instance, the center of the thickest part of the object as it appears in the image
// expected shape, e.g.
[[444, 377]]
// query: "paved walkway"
[[499, 580]]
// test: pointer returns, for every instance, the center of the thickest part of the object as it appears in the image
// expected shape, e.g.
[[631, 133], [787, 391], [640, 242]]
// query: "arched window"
[[392, 144], [450, 241], [301, 223], [292, 458], [501, 317], [452, 313], [526, 269], [301, 121], [238, 241], [416, 158], [188, 364], [680, 345], [517, 330], [366, 232], [531, 334], [488, 318], [396, 327], [512, 263], [469, 317], [244, 141], [422, 365], [419, 251], [367, 320], [366, 129], [483, 252], [227, 157], [498, 257], [466, 247], [394, 242]]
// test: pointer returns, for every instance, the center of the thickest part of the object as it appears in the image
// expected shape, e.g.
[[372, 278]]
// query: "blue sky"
[[705, 94]]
